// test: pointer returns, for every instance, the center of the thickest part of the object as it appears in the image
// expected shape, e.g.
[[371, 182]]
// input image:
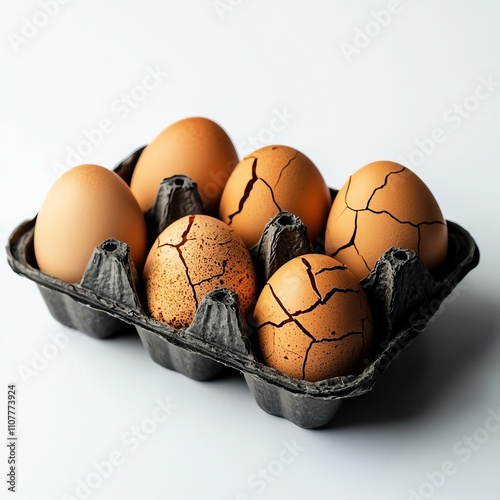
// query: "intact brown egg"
[[313, 320], [86, 205], [191, 257], [383, 205], [196, 147], [274, 179]]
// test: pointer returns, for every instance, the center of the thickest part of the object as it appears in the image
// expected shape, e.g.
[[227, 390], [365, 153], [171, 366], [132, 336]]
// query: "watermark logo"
[[224, 7], [32, 25], [453, 118], [363, 36], [130, 441], [41, 358], [465, 448], [260, 480], [280, 119], [121, 108]]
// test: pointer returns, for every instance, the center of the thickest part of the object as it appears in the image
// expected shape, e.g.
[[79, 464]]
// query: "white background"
[[238, 65]]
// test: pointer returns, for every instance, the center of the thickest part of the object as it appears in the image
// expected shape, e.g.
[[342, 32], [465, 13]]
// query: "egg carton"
[[108, 299]]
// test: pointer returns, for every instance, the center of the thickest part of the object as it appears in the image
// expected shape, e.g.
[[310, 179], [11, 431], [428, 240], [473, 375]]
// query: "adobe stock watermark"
[[453, 118], [260, 480], [465, 448], [120, 110], [42, 357], [224, 7], [130, 441], [280, 119], [364, 36], [33, 24]]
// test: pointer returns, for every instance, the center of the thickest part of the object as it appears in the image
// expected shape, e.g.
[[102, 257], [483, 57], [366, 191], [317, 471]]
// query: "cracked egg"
[[191, 257], [313, 320], [383, 205], [271, 180]]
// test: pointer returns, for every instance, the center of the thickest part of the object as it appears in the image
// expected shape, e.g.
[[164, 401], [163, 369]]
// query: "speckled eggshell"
[[313, 320], [383, 205], [271, 180], [196, 147], [87, 205], [191, 257]]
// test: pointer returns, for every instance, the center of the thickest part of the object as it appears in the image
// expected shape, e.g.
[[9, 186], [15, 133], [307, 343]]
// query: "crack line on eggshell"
[[246, 193], [224, 264], [336, 339], [276, 325], [352, 240], [285, 167], [320, 301], [287, 350], [285, 310], [328, 269], [225, 242], [376, 212], [320, 341], [178, 246], [171, 245], [250, 184], [279, 344], [345, 197], [342, 337], [272, 194], [310, 275], [386, 180], [359, 253]]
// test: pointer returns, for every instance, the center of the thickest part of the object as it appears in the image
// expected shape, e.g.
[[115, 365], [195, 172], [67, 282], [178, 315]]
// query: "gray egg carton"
[[108, 299]]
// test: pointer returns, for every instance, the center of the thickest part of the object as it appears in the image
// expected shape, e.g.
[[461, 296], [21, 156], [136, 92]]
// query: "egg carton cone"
[[108, 300]]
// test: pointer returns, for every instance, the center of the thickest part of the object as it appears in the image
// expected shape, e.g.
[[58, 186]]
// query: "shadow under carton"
[[402, 293]]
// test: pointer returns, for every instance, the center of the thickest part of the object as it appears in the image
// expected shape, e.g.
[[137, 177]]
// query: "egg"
[[274, 179], [196, 147], [191, 257], [87, 205], [382, 205], [313, 320]]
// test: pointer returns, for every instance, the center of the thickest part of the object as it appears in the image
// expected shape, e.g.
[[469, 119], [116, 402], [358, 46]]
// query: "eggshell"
[[383, 205], [313, 320], [196, 147], [86, 205], [274, 179], [191, 257]]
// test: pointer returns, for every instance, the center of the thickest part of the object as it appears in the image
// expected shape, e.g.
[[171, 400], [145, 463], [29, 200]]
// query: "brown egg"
[[191, 257], [86, 205], [313, 320], [274, 179], [383, 205], [196, 147]]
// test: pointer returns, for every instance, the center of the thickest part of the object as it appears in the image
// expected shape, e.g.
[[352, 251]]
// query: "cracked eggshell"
[[274, 179], [313, 320], [383, 205], [191, 257], [196, 147], [86, 205]]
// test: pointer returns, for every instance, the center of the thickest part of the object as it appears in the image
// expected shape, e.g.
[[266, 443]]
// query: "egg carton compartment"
[[403, 296]]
